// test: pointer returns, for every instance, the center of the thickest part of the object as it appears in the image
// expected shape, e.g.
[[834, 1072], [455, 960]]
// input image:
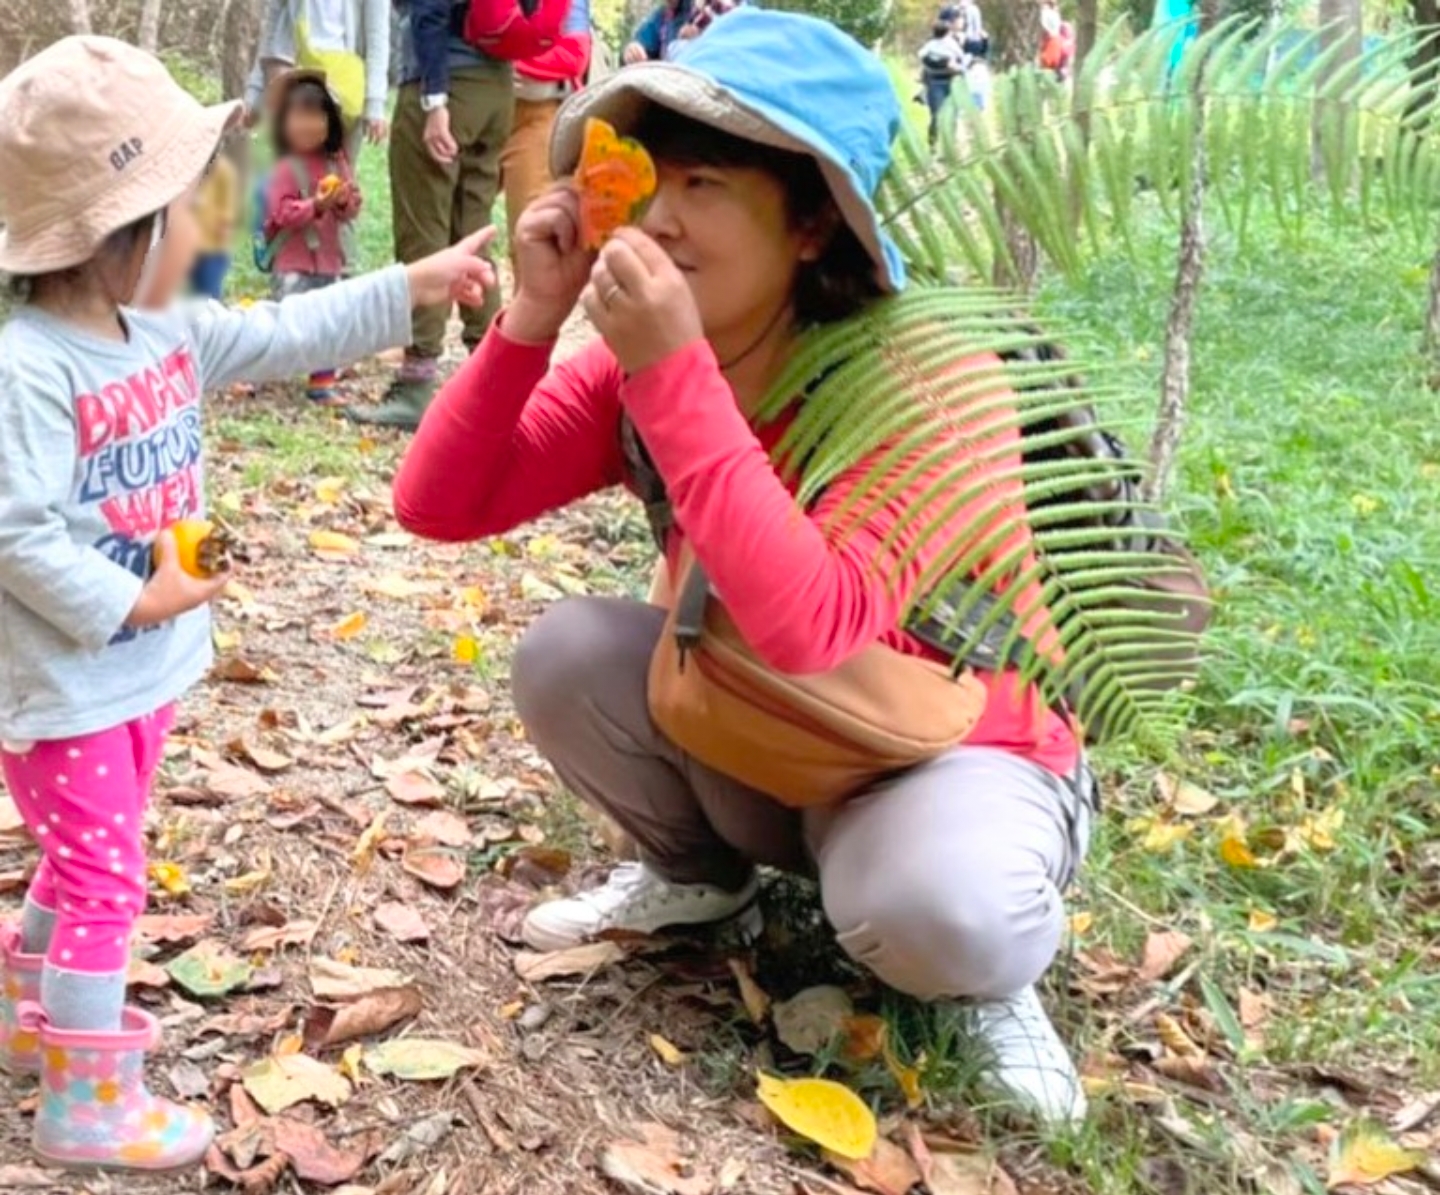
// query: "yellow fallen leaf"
[[1364, 1155], [251, 880], [278, 1083], [290, 1044], [365, 444], [330, 489], [1262, 922], [1175, 1038], [1318, 830], [334, 543], [368, 842], [225, 640], [1081, 922], [907, 1078], [1161, 837], [466, 649], [1237, 854], [827, 1113], [757, 1003], [350, 1063], [170, 877], [1097, 1086], [666, 1050], [473, 598], [348, 627]]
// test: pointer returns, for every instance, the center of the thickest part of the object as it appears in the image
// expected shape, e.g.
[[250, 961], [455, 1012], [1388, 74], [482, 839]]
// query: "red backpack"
[[513, 30]]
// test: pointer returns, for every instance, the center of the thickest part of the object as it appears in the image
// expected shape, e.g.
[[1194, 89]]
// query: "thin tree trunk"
[[80, 16], [1342, 25], [1426, 59], [1015, 32], [1431, 342], [1180, 327], [149, 35]]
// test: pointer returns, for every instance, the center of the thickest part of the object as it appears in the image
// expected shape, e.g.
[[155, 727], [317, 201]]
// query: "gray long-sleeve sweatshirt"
[[100, 449]]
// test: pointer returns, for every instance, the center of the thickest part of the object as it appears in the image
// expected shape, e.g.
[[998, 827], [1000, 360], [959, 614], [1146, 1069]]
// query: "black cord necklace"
[[754, 345]]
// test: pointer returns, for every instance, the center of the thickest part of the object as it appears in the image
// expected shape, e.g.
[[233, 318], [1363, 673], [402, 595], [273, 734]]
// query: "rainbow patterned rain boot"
[[96, 1112], [19, 982]]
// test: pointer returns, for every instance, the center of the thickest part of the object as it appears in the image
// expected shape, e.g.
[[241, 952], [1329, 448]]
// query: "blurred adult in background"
[[541, 85], [347, 39], [659, 31], [1057, 41], [452, 120], [941, 61]]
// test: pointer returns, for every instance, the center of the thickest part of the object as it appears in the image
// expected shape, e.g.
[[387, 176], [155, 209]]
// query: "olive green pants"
[[435, 205]]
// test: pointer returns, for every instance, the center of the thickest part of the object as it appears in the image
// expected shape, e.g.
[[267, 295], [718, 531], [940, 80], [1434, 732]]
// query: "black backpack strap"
[[648, 484]]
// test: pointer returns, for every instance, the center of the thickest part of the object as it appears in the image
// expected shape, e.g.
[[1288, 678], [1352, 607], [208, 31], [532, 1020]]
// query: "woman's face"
[[727, 229]]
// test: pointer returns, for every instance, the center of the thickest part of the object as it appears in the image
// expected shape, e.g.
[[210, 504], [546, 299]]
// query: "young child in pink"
[[312, 200], [101, 630]]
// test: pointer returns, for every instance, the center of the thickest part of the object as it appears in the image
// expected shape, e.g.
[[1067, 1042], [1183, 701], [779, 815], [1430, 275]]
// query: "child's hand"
[[171, 591], [458, 274]]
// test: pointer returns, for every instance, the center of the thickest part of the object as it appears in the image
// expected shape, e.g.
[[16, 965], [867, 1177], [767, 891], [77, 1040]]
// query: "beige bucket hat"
[[94, 135]]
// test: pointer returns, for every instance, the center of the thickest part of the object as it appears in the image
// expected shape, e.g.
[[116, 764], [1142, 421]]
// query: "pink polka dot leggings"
[[84, 801]]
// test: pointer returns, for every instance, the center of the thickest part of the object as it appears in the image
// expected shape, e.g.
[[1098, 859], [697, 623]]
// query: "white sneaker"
[[1027, 1063], [637, 900]]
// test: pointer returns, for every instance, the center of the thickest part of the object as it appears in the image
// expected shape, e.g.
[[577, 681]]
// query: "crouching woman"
[[942, 876]]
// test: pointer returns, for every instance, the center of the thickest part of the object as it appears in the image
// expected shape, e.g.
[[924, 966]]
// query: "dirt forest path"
[[357, 665]]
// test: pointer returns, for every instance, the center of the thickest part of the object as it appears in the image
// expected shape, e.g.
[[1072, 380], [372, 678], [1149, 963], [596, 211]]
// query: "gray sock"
[[37, 923], [77, 1000]]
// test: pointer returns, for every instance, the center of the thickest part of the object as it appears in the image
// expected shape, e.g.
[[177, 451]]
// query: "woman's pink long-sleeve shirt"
[[510, 438]]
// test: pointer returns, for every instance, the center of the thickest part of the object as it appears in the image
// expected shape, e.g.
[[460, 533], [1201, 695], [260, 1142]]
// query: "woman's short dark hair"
[[940, 29], [310, 96], [842, 280]]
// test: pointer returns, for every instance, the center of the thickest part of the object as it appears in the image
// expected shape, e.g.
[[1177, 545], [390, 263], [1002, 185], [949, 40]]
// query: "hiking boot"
[[635, 899], [404, 404], [1026, 1063], [95, 1111], [19, 982]]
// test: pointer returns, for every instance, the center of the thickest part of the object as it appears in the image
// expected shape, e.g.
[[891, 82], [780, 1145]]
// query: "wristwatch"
[[429, 103]]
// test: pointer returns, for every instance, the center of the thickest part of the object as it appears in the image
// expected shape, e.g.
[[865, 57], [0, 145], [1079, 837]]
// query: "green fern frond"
[[1286, 122], [910, 402]]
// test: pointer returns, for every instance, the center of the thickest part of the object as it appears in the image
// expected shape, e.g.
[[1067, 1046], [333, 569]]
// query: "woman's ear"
[[817, 232]]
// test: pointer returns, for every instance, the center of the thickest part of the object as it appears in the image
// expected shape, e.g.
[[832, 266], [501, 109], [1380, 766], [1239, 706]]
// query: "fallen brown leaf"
[[413, 788], [969, 1174], [262, 757], [1186, 799], [141, 973], [312, 1156], [444, 827], [339, 982], [537, 866], [889, 1170], [578, 960], [652, 1161], [865, 1036], [227, 780], [173, 927], [29, 1178], [267, 937], [241, 671], [328, 1025], [1163, 949], [436, 866], [401, 922]]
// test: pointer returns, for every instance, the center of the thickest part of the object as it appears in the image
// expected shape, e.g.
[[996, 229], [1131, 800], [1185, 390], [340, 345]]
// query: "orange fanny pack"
[[804, 740]]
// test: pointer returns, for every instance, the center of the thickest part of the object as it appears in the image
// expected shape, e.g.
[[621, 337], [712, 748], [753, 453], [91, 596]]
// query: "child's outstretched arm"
[[337, 325]]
